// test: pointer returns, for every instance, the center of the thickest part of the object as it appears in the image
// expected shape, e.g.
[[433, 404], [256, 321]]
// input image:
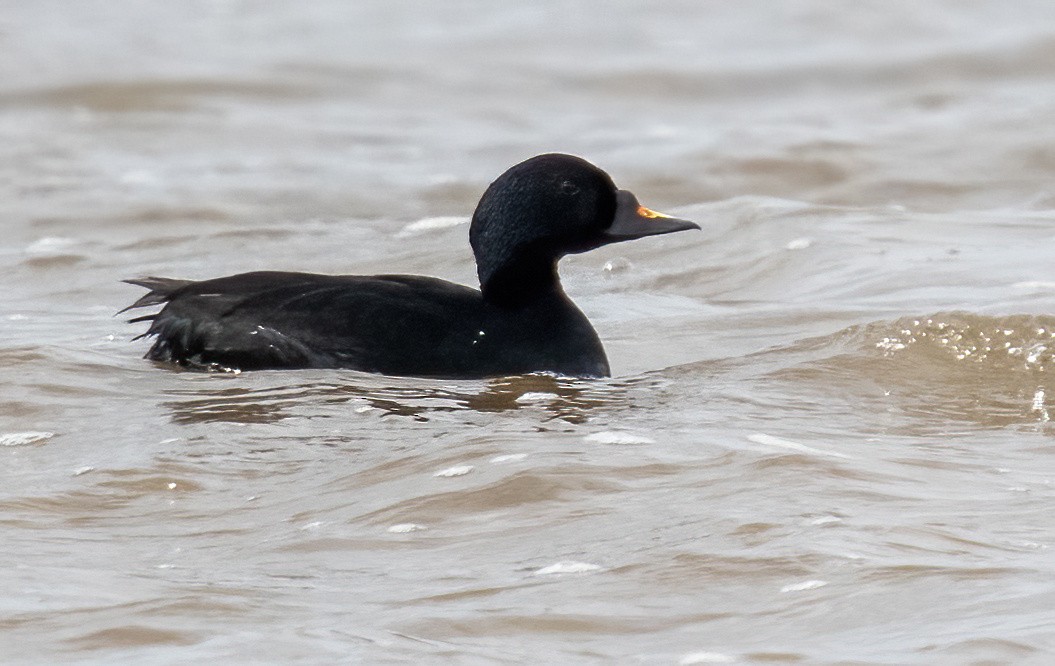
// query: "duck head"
[[549, 206]]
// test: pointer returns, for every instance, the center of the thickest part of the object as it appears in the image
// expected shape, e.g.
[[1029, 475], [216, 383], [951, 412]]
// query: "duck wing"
[[392, 324]]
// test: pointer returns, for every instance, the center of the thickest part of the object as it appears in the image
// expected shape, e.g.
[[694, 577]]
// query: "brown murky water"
[[829, 436]]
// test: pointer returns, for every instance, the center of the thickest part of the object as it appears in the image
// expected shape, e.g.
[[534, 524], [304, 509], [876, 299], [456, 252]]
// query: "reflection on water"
[[556, 397]]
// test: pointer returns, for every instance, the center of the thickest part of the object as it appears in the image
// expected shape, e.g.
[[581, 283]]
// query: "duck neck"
[[522, 282]]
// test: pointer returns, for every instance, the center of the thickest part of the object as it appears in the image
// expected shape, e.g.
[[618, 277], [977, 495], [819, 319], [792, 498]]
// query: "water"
[[829, 435]]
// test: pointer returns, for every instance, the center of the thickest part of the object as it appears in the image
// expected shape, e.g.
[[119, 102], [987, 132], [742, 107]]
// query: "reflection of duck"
[[520, 321], [560, 398]]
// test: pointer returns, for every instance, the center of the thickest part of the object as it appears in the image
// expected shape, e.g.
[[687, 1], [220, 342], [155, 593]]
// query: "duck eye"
[[569, 188]]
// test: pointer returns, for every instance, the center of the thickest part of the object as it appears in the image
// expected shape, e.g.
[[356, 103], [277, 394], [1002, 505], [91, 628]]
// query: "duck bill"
[[632, 220]]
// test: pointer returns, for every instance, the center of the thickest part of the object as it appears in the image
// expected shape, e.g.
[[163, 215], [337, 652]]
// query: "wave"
[[918, 374]]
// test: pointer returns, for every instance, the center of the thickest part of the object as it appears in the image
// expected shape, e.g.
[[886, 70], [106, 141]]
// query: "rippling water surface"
[[829, 436]]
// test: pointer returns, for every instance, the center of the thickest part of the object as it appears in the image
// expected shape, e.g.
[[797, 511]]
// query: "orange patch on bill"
[[650, 214]]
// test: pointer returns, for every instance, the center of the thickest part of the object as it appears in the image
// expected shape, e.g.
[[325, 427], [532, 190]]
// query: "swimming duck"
[[519, 321]]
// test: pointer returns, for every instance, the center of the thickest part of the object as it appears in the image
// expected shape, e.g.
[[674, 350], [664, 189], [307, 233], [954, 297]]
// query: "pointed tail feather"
[[161, 290]]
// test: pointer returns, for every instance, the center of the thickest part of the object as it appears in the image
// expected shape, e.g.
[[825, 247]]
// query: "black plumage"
[[520, 320]]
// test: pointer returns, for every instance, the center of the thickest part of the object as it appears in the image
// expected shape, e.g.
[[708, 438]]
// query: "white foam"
[[567, 567], [430, 223], [457, 470], [804, 585], [1038, 405], [890, 344], [799, 244], [50, 245], [770, 440], [24, 438], [826, 520], [617, 265], [535, 397], [404, 528], [618, 437], [83, 470], [509, 457]]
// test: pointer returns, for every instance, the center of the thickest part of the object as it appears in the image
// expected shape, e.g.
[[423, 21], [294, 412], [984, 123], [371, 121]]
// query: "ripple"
[[617, 437], [153, 95], [457, 470], [24, 438], [132, 635], [567, 567], [803, 586]]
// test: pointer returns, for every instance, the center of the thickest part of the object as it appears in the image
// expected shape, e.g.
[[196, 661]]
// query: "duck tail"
[[161, 291]]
